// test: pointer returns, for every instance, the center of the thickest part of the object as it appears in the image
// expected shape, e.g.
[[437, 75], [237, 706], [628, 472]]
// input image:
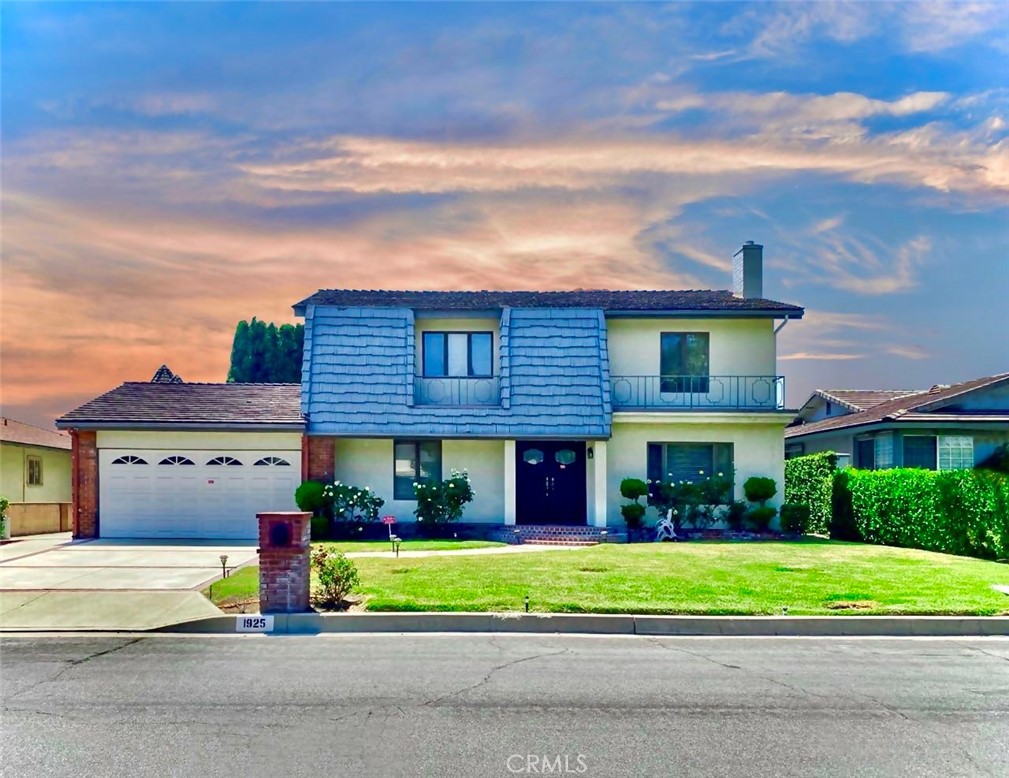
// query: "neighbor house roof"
[[711, 302], [861, 399], [912, 407], [12, 431], [141, 405]]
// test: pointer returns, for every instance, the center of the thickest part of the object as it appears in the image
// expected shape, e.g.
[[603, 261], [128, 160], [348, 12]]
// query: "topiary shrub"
[[760, 518], [310, 496], [760, 489], [336, 576], [633, 513], [808, 481], [795, 518]]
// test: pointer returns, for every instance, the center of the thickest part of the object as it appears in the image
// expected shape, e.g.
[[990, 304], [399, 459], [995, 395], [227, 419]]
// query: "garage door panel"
[[192, 501]]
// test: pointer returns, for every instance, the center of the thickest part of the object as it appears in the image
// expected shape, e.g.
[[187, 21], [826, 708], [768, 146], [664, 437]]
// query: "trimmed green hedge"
[[962, 512], [808, 482]]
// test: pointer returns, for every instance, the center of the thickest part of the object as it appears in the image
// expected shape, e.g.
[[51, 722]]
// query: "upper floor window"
[[33, 476], [684, 362], [458, 354]]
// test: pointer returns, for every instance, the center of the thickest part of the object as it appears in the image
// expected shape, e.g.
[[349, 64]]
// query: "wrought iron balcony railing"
[[457, 390], [714, 392]]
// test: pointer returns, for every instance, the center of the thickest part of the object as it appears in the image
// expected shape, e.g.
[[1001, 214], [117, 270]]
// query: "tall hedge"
[[962, 512], [808, 482]]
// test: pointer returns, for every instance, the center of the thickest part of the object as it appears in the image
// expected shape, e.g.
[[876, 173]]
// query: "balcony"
[[457, 391], [697, 393]]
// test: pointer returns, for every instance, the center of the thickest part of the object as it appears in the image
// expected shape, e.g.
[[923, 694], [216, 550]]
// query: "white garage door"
[[147, 493]]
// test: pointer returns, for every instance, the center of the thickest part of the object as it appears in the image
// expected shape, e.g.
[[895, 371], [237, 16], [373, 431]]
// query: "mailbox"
[[284, 548]]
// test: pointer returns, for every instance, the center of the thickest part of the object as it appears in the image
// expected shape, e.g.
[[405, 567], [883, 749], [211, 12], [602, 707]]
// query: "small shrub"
[[760, 518], [795, 518], [310, 496], [735, 515], [337, 577], [442, 502], [760, 489], [320, 528], [633, 514]]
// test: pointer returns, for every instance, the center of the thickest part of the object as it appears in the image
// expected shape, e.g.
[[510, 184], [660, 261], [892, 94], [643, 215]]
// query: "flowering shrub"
[[336, 576], [353, 503], [692, 503], [441, 502]]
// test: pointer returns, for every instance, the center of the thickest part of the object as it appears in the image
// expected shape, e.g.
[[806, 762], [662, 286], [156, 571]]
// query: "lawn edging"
[[615, 624]]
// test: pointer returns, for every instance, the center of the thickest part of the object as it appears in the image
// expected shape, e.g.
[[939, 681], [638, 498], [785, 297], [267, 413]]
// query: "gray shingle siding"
[[360, 365]]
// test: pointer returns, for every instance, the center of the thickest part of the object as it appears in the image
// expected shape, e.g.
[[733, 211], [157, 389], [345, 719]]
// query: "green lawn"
[[811, 577]]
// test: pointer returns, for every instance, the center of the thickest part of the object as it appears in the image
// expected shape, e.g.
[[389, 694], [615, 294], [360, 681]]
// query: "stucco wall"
[[55, 474], [369, 462], [484, 324], [202, 441], [737, 346], [757, 450]]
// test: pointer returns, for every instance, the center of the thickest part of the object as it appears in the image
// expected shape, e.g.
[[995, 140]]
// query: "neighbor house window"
[[458, 354], [684, 362], [883, 451], [33, 477], [793, 450], [919, 451], [414, 461], [688, 461], [956, 452], [864, 450]]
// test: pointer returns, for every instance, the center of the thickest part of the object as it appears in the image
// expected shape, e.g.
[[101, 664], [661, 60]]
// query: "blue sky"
[[171, 168]]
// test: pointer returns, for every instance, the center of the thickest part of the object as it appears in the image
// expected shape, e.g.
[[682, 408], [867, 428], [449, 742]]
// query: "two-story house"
[[547, 399]]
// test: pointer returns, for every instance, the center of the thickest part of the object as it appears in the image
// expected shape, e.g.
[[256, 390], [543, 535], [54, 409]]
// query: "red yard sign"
[[388, 519]]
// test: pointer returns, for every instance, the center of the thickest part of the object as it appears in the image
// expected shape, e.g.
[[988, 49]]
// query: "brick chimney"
[[748, 271]]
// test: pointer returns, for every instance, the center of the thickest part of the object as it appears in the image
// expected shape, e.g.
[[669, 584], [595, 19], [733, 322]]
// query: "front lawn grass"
[[810, 577]]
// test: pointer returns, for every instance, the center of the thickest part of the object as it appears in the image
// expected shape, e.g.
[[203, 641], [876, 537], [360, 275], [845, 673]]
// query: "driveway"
[[118, 565], [53, 583]]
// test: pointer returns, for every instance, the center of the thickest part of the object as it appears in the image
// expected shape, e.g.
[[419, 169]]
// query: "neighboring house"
[[548, 399], [942, 428], [35, 477]]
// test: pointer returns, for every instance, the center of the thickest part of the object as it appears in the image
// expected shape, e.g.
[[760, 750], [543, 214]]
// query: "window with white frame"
[[458, 354], [956, 452], [414, 461]]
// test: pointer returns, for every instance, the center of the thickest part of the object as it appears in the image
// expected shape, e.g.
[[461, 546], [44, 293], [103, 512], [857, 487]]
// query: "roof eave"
[[182, 426]]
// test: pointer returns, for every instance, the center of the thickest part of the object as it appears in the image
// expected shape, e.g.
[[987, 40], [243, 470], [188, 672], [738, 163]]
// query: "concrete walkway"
[[517, 549]]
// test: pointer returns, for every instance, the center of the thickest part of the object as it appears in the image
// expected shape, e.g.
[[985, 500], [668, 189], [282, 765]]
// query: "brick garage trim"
[[84, 483], [318, 457]]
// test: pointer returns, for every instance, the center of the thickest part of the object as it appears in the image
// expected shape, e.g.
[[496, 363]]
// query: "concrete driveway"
[[53, 583], [116, 565]]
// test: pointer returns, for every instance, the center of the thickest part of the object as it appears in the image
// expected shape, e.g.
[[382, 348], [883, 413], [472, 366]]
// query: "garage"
[[171, 493], [185, 461]]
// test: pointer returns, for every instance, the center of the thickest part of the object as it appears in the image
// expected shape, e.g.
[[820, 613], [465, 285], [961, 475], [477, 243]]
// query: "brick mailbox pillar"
[[284, 549]]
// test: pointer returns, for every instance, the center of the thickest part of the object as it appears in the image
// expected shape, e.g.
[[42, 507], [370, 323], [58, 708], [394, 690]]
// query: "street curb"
[[616, 624]]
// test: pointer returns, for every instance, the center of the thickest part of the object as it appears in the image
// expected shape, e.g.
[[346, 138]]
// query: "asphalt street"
[[484, 705]]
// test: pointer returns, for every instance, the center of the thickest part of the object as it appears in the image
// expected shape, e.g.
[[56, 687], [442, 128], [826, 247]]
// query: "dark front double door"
[[550, 482]]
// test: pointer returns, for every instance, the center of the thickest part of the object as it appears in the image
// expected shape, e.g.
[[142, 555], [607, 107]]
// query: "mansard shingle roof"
[[609, 300]]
